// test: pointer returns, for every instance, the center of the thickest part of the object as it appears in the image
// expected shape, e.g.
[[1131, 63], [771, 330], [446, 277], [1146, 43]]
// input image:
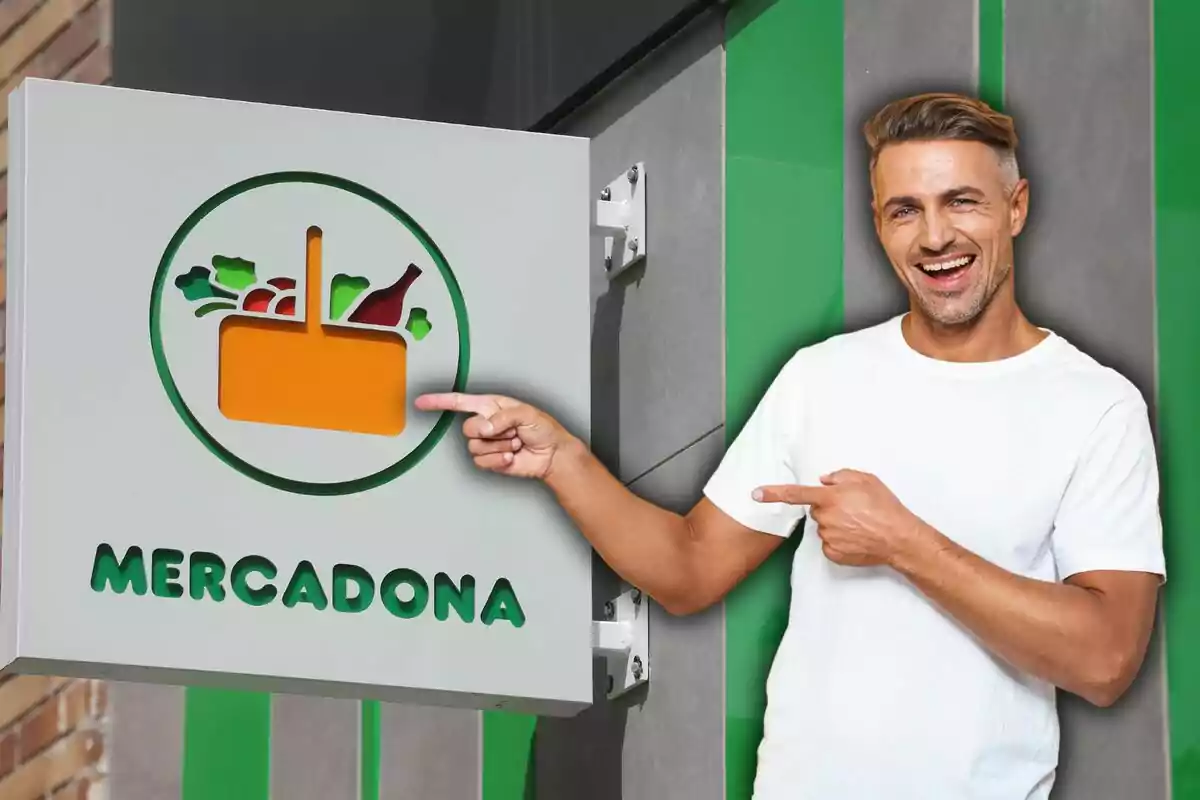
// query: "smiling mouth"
[[944, 270]]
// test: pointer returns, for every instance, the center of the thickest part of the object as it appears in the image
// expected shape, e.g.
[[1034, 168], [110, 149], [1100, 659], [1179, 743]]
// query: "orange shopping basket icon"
[[282, 372]]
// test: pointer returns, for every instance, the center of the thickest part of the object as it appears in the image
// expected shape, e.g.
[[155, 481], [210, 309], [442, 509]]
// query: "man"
[[980, 502]]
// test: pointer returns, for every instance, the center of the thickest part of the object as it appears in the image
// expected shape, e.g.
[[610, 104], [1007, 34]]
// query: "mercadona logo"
[[290, 316]]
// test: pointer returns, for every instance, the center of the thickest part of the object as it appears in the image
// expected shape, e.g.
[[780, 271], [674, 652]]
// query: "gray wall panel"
[[145, 748], [892, 49], [658, 341], [667, 742], [314, 748], [674, 742], [1079, 85], [429, 753]]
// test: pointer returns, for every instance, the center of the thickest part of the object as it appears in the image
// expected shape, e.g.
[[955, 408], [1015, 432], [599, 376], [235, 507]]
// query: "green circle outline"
[[355, 485]]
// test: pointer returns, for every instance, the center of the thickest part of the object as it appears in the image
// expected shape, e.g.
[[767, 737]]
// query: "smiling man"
[[979, 502]]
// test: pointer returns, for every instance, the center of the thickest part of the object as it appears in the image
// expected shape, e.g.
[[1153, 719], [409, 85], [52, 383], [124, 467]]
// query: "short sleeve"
[[1109, 517], [761, 454]]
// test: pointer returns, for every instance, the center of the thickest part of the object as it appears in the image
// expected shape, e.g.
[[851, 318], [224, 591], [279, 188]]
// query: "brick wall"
[[52, 730], [52, 744]]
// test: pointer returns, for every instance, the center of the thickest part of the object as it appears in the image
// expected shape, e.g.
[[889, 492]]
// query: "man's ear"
[[1019, 206]]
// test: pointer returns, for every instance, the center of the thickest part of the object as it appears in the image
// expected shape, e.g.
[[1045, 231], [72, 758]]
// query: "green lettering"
[[446, 594], [164, 571], [206, 572], [405, 609], [345, 574], [305, 587], [119, 574], [502, 603], [242, 570]]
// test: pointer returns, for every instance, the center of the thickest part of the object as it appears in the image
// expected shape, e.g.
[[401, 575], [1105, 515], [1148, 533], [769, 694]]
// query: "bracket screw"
[[636, 594], [637, 668], [606, 194], [633, 244], [632, 174], [610, 610]]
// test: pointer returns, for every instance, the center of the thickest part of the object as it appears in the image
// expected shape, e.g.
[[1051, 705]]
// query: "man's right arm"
[[685, 562]]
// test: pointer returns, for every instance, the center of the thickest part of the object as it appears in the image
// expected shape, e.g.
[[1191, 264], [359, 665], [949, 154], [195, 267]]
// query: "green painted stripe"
[[783, 280], [368, 750], [508, 750], [1177, 174], [991, 52], [226, 745]]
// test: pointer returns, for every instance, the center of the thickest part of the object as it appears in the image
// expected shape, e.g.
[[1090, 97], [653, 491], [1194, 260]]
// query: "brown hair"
[[940, 115]]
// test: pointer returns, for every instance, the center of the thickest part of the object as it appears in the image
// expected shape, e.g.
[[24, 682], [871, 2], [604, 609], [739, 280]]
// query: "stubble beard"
[[965, 306]]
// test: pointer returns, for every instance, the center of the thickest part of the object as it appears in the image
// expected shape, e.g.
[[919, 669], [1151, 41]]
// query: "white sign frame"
[[97, 452]]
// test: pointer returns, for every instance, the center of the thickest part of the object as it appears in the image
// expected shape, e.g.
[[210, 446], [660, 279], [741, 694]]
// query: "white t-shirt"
[[1042, 463]]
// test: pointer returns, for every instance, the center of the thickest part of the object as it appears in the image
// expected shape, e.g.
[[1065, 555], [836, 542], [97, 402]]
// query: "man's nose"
[[936, 232]]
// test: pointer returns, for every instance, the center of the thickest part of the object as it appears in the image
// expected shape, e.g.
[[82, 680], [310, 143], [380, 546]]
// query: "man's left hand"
[[860, 522]]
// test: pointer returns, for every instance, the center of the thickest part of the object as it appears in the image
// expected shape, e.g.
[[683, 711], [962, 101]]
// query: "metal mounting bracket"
[[623, 640], [621, 216]]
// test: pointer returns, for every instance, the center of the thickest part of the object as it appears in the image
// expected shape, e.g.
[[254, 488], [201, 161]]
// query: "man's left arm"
[[1088, 634]]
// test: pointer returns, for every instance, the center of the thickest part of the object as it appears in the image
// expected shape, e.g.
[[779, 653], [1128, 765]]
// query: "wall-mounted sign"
[[219, 315]]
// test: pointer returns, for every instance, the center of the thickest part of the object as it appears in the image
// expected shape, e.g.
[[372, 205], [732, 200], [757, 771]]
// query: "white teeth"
[[941, 265]]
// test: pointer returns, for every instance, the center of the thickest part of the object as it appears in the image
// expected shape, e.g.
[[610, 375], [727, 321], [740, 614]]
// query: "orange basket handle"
[[312, 282]]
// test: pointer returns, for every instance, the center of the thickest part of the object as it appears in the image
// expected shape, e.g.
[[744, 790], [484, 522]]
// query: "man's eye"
[[961, 201], [902, 211]]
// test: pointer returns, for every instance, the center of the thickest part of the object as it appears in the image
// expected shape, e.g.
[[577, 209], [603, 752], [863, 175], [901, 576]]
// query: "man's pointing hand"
[[859, 520], [504, 435]]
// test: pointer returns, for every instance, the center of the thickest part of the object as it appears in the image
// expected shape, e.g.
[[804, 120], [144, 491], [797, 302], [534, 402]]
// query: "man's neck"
[[995, 334]]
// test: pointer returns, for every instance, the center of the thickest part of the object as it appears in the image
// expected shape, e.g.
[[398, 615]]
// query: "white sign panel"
[[219, 315]]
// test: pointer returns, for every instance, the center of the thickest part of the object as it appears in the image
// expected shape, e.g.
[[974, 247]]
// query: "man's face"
[[946, 215]]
